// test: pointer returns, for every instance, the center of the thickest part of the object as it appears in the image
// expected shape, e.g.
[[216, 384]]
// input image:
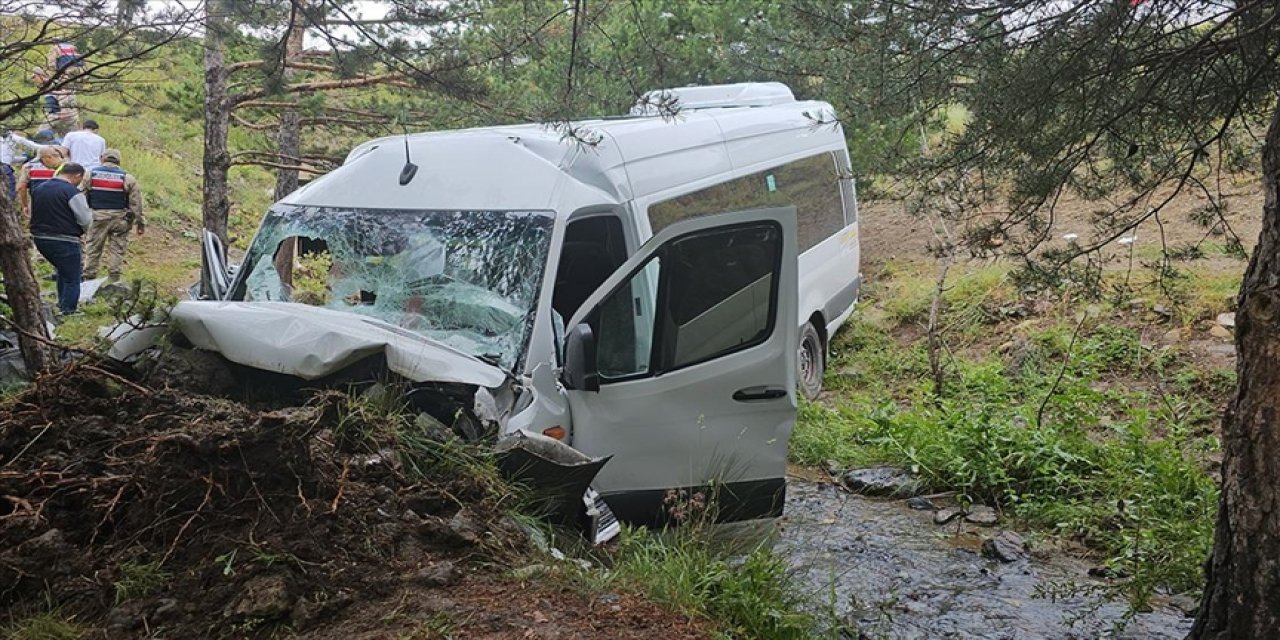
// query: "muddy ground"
[[143, 511]]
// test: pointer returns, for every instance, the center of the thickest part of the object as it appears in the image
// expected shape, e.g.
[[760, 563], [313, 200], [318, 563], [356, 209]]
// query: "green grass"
[[1115, 461], [48, 625], [139, 579], [748, 594]]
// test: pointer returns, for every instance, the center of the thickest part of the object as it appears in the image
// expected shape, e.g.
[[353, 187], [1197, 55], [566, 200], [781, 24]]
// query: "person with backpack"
[[116, 201], [60, 216], [64, 57]]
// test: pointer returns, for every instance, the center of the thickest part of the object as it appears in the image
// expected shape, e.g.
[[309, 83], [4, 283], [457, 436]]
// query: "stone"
[[431, 428], [1005, 546], [464, 529], [1172, 336], [1227, 320], [1219, 331], [943, 516], [887, 482], [1224, 350], [1185, 603], [266, 597], [921, 504], [982, 515], [441, 574], [529, 572]]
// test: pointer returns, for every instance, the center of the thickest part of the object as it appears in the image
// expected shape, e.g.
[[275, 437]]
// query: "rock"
[[921, 504], [126, 616], [441, 574], [431, 428], [1005, 546], [165, 609], [833, 467], [1107, 573], [1224, 350], [529, 572], [1162, 310], [1172, 336], [943, 516], [465, 528], [266, 597], [982, 515], [1185, 603], [1227, 320], [1219, 331], [306, 612], [889, 482]]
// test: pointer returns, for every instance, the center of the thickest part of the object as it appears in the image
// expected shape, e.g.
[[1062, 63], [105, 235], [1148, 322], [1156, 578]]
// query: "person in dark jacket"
[[60, 215]]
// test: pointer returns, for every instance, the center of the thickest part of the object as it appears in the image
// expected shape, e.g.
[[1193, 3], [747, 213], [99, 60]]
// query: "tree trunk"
[[289, 136], [1242, 594], [22, 288], [217, 114], [125, 11]]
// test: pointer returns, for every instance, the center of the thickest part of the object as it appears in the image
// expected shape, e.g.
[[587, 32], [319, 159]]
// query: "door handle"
[[756, 394]]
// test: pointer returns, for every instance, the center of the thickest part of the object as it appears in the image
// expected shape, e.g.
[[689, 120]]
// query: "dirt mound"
[[145, 510]]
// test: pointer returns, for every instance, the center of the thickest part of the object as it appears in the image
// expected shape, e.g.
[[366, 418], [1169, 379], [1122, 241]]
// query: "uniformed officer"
[[37, 172], [116, 201]]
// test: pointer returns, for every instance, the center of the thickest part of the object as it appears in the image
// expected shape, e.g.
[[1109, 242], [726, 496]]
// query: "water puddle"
[[891, 573]]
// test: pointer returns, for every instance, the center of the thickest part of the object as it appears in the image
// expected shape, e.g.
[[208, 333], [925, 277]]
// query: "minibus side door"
[[682, 367]]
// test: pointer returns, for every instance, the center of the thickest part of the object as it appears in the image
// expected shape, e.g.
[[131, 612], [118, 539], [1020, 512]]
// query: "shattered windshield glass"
[[469, 279]]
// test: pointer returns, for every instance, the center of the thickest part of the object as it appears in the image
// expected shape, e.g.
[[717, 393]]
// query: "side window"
[[704, 295], [812, 185], [624, 325], [719, 292]]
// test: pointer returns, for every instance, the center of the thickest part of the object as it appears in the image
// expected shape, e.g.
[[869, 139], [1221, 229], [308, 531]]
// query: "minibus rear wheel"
[[811, 362]]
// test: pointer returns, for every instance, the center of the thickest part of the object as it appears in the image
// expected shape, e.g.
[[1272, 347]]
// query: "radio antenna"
[[410, 169]]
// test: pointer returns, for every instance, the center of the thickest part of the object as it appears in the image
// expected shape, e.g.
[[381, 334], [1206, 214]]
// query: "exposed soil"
[[143, 511], [891, 234]]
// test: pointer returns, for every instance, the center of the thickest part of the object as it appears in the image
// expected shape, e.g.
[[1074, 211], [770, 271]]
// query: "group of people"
[[77, 198]]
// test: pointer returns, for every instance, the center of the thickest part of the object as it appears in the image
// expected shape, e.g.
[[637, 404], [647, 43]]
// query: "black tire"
[[811, 362]]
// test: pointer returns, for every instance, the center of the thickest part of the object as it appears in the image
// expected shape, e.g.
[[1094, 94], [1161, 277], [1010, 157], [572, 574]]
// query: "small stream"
[[891, 573]]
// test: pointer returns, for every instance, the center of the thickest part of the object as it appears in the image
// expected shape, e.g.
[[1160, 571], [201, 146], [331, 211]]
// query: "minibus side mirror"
[[580, 360]]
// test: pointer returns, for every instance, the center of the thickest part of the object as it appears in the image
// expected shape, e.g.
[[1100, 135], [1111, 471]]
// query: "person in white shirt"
[[9, 155], [86, 145]]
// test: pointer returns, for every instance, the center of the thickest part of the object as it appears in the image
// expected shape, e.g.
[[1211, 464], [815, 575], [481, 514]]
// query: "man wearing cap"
[[116, 201], [86, 145], [35, 173], [59, 217]]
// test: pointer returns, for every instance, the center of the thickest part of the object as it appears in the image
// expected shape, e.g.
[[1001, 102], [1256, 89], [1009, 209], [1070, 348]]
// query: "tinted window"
[[719, 292], [811, 185], [704, 295]]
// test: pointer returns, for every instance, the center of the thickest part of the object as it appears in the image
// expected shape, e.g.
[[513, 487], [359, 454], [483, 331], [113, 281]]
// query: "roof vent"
[[745, 94]]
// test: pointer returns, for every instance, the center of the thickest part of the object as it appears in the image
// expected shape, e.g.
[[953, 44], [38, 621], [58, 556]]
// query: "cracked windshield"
[[466, 278]]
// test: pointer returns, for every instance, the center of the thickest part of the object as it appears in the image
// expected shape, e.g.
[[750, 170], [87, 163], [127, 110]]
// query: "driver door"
[[682, 367]]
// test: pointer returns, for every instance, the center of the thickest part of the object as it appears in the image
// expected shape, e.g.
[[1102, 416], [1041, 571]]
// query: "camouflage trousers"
[[110, 232]]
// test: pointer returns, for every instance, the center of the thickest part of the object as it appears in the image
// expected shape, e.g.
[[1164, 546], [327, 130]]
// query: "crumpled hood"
[[313, 342]]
